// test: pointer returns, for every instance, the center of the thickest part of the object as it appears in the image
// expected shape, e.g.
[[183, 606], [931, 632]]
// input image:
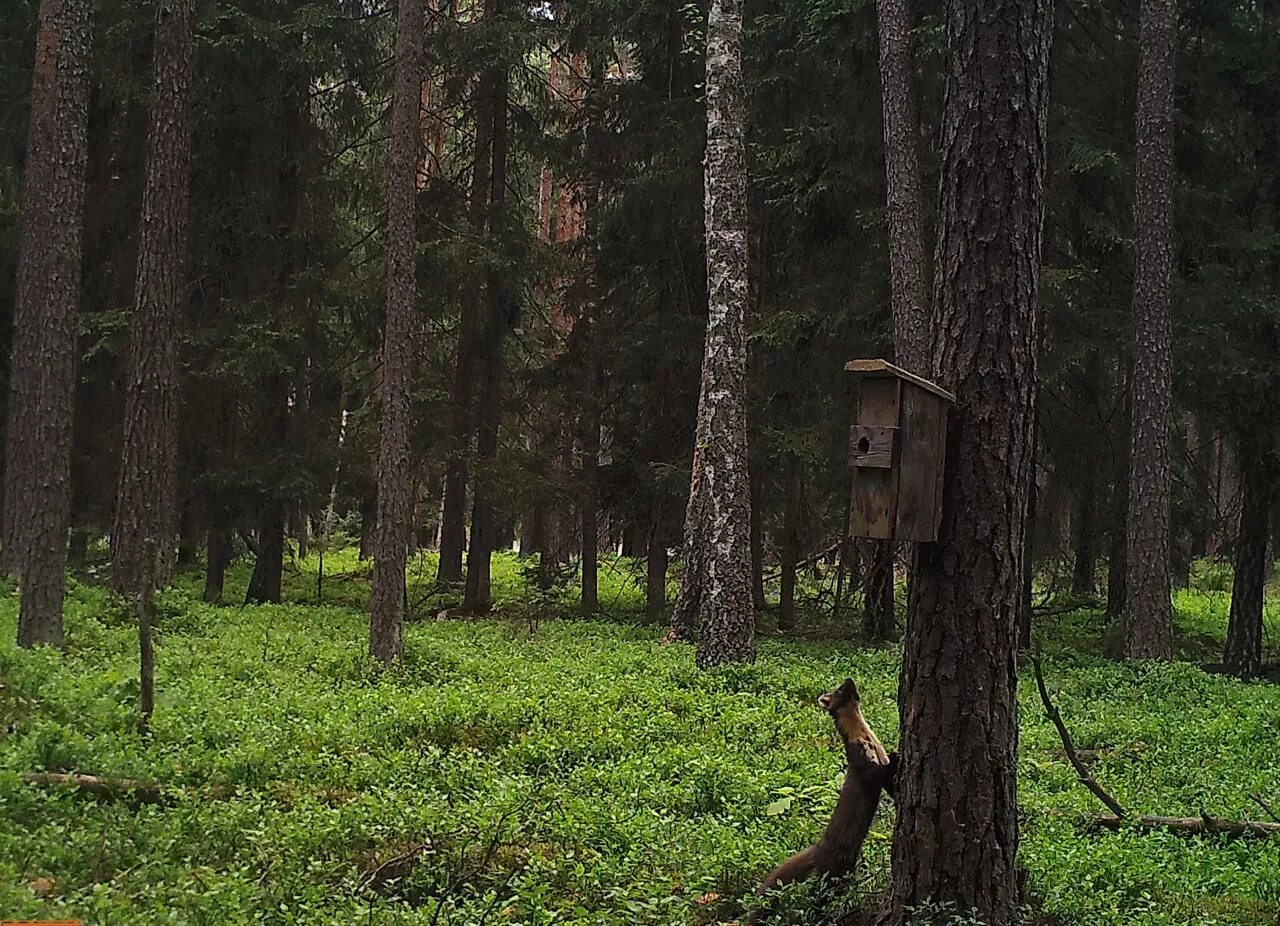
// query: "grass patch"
[[580, 774]]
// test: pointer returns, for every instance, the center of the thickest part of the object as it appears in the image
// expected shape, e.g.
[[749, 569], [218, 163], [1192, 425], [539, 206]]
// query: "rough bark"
[[268, 567], [715, 596], [453, 518], [902, 176], [146, 496], [1242, 655], [42, 365], [879, 620], [956, 836], [391, 541], [1147, 616], [476, 594], [1083, 583]]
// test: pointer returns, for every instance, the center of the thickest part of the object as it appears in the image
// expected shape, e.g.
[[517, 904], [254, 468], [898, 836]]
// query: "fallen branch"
[[806, 563], [1257, 799], [1045, 610], [1082, 771], [1194, 825], [107, 788]]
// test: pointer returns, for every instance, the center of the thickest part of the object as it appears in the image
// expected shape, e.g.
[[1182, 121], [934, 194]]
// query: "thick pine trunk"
[[42, 367], [715, 596], [956, 836], [146, 497], [1148, 618], [1242, 655], [268, 567], [391, 541], [467, 365], [477, 596]]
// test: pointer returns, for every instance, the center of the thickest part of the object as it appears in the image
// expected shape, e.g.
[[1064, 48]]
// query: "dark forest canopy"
[[288, 225]]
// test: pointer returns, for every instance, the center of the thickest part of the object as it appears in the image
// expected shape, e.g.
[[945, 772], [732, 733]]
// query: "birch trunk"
[[715, 596]]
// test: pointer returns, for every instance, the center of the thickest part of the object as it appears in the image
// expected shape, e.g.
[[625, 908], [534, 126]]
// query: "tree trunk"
[[1148, 617], [1083, 584], [758, 600], [268, 568], [1117, 555], [190, 530], [146, 497], [906, 260], [391, 541], [42, 366], [590, 480], [1242, 655], [1026, 598], [656, 563], [902, 176], [956, 836], [476, 596], [715, 596], [453, 518], [879, 620], [368, 524], [78, 548], [218, 557], [791, 552]]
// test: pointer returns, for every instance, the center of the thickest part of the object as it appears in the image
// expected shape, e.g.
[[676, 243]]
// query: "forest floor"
[[515, 770]]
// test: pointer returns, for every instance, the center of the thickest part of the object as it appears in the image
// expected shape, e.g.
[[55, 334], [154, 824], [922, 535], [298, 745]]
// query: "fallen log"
[[1193, 825], [106, 788]]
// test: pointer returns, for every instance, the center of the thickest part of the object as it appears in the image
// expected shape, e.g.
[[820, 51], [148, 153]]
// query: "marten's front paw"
[[889, 776]]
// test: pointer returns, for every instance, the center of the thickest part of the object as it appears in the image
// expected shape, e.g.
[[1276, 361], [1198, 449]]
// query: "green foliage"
[[581, 773]]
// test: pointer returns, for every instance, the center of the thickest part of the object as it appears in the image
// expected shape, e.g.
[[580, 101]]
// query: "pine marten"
[[869, 770]]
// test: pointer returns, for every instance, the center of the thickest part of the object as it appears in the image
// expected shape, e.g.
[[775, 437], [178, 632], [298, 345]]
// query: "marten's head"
[[845, 708], [834, 701]]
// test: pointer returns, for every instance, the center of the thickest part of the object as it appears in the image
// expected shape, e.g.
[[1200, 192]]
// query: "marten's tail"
[[796, 868]]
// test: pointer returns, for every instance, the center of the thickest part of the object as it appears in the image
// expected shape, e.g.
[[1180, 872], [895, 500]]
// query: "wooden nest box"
[[897, 448]]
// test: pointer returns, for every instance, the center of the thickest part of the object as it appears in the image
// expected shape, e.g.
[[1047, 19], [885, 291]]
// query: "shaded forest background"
[[582, 291]]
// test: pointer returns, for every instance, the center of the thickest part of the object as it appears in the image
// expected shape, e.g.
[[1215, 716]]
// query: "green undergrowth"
[[561, 771]]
